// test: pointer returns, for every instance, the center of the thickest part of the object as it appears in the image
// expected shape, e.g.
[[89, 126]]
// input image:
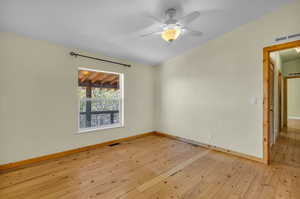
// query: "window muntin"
[[101, 99]]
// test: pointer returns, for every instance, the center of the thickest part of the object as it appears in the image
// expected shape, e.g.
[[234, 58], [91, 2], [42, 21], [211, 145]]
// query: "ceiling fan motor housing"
[[170, 14]]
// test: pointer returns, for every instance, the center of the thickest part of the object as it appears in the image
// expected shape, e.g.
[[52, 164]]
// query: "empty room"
[[160, 99]]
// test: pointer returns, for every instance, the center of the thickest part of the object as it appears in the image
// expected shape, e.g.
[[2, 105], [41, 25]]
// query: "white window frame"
[[121, 104]]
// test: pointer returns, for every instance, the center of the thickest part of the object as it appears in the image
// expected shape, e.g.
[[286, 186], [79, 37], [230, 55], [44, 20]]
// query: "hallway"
[[286, 152]]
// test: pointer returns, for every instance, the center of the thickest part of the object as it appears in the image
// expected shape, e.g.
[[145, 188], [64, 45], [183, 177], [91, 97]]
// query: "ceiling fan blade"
[[193, 32], [189, 18], [156, 19], [150, 34]]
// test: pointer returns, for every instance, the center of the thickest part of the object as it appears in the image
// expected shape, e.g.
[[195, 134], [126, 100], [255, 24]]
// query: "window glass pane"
[[82, 121], [82, 95], [105, 99], [100, 99]]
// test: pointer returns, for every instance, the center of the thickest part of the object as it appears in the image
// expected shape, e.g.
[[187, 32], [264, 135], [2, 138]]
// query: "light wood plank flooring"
[[294, 124], [156, 167]]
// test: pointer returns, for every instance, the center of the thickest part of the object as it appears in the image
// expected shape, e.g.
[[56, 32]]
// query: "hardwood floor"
[[294, 124], [156, 167]]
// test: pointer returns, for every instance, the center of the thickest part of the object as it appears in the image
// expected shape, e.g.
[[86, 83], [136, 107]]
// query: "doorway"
[[270, 118], [292, 97]]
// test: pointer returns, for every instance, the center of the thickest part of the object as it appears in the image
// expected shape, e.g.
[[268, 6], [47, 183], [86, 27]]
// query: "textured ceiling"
[[113, 27], [289, 55]]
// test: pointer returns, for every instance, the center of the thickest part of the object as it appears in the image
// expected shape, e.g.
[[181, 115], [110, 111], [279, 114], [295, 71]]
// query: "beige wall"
[[293, 66], [294, 98], [38, 99], [206, 93]]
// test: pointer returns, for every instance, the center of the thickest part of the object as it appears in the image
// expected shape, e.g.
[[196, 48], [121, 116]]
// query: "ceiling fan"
[[172, 27]]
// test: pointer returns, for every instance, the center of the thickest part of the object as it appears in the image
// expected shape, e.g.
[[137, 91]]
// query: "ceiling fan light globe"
[[170, 35]]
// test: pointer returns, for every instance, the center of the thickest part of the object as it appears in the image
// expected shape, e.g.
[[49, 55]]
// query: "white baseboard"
[[293, 118]]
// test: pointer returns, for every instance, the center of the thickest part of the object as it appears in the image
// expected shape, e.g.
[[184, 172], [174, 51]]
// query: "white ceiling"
[[289, 55], [112, 27]]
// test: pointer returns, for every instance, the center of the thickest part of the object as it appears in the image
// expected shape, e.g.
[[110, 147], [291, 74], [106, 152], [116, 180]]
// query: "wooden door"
[[279, 102], [271, 102]]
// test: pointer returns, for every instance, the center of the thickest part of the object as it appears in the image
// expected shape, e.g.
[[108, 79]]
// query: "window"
[[101, 99]]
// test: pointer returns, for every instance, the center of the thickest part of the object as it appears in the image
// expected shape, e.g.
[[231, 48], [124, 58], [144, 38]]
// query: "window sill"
[[89, 130]]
